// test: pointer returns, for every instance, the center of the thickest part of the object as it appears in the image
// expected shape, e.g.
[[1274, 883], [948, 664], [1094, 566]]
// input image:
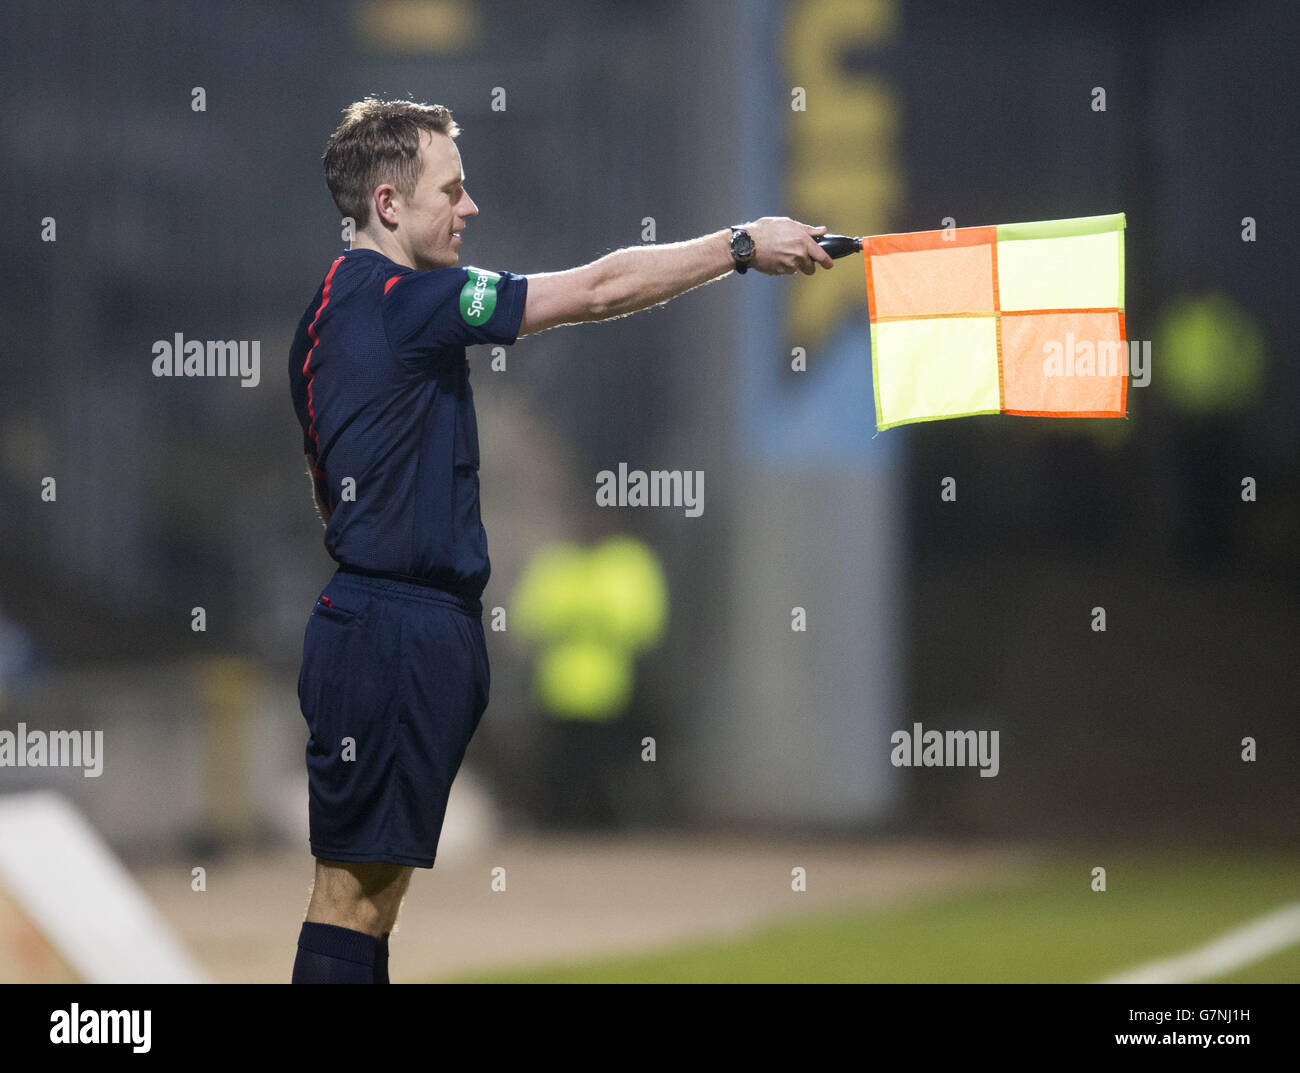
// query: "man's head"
[[393, 167]]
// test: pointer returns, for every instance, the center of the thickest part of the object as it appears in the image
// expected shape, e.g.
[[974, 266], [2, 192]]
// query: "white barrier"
[[71, 888]]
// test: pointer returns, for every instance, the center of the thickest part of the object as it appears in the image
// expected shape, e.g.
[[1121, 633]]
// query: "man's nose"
[[472, 209]]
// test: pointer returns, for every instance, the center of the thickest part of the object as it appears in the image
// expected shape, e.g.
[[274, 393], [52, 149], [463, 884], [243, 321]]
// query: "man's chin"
[[447, 260]]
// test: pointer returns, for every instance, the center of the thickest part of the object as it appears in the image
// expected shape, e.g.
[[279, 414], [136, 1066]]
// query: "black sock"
[[328, 954], [381, 959]]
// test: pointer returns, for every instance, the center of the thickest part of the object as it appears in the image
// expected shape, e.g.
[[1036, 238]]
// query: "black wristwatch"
[[742, 249]]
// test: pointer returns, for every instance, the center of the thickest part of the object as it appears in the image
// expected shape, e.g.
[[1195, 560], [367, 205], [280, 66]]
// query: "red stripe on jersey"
[[389, 285], [315, 340]]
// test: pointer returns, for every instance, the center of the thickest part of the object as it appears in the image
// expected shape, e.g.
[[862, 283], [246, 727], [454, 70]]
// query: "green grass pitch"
[[1051, 928]]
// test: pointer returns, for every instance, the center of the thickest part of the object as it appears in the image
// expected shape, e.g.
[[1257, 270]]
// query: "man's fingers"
[[795, 251], [820, 255]]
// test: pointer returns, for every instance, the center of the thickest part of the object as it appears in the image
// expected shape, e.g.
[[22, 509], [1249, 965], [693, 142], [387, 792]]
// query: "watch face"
[[742, 245]]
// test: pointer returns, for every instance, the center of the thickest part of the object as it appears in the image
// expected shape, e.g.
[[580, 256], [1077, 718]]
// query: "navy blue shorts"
[[393, 684]]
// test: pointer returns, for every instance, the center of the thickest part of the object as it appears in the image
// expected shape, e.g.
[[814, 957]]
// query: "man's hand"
[[783, 246]]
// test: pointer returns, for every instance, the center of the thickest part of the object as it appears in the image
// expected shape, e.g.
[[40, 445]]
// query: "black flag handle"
[[840, 245]]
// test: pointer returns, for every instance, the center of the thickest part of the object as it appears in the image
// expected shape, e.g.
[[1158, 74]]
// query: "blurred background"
[[137, 214]]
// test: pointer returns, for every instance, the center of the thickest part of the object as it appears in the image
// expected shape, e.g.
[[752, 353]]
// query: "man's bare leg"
[[353, 908], [364, 896]]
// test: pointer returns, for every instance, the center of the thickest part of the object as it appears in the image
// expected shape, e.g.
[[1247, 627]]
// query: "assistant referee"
[[395, 672]]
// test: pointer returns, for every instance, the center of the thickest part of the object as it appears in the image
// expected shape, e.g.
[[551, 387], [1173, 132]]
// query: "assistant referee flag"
[[1021, 319]]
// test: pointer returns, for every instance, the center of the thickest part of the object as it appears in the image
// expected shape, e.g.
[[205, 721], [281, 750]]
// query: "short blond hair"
[[377, 142]]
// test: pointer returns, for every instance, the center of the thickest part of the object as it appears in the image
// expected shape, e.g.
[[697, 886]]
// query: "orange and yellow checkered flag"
[[1021, 319]]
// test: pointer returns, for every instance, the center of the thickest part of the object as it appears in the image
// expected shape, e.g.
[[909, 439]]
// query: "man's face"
[[439, 208]]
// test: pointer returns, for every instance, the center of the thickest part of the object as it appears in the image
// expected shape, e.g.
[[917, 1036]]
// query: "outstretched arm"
[[638, 277]]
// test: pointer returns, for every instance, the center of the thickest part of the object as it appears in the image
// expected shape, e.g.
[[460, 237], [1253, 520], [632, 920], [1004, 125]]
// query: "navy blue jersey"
[[380, 384]]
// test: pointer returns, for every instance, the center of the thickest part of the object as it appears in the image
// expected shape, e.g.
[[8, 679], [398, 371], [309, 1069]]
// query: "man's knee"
[[360, 895]]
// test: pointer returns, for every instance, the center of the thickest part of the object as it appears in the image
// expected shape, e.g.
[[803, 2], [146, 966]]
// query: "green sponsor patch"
[[478, 298]]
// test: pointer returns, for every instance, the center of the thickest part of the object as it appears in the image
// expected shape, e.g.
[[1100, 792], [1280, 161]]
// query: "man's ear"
[[384, 204]]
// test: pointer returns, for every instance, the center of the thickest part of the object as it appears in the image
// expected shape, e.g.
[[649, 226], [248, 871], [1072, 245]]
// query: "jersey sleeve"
[[453, 307]]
